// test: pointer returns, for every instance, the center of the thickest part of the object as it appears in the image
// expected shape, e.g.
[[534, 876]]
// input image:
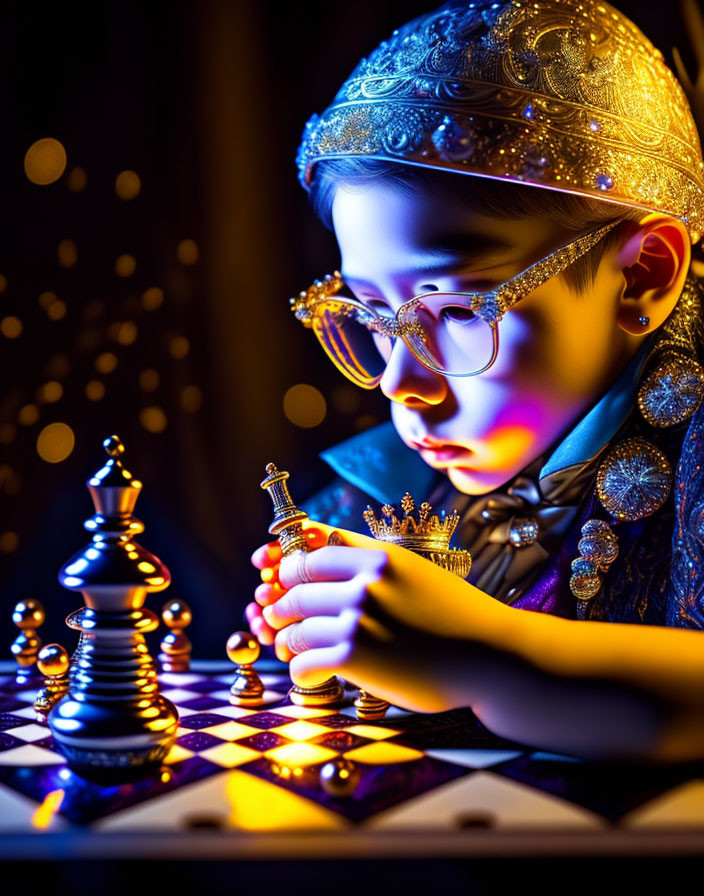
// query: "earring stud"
[[643, 320]]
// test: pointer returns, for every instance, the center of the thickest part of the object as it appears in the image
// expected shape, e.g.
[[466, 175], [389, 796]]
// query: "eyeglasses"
[[452, 333]]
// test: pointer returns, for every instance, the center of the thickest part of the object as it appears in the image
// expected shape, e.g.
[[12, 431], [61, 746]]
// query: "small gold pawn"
[[175, 647], [28, 615], [370, 708], [53, 664], [247, 688]]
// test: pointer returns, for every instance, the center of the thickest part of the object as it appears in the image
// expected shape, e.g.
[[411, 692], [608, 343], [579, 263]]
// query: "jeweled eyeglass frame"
[[490, 306]]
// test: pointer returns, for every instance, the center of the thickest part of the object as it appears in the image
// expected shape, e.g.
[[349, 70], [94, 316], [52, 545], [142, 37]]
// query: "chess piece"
[[113, 722], [340, 777], [247, 688], [426, 535], [53, 664], [287, 528], [28, 616], [175, 653]]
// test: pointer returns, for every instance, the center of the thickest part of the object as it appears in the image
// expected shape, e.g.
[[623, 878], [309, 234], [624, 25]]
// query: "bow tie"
[[511, 532]]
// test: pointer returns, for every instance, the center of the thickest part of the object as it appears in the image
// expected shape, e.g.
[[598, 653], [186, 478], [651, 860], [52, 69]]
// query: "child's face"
[[558, 351]]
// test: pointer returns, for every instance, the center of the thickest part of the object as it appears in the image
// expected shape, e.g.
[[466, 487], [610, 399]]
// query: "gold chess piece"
[[428, 536], [247, 688], [53, 663], [287, 528], [175, 647], [28, 616]]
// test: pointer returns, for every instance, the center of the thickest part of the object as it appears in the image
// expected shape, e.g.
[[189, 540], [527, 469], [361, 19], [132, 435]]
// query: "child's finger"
[[266, 555], [258, 625], [266, 593]]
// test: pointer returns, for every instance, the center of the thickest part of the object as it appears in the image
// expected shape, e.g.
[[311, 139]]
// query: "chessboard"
[[257, 770]]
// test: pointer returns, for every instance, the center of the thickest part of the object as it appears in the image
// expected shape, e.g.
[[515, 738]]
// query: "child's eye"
[[457, 314]]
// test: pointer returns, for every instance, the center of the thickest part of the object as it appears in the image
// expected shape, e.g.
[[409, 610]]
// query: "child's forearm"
[[594, 689]]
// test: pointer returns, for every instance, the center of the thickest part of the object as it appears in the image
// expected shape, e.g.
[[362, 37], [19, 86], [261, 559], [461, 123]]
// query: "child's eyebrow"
[[450, 253]]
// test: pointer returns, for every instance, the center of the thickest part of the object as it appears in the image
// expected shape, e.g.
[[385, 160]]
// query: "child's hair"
[[493, 198]]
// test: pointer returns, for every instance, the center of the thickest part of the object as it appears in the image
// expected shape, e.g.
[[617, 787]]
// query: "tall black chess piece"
[[113, 721]]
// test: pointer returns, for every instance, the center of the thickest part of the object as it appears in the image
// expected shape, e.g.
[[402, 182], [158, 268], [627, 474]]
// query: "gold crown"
[[564, 94], [423, 534]]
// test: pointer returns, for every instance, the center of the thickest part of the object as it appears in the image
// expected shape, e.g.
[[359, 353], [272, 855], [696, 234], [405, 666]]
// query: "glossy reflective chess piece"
[[340, 777], [247, 688], [113, 723], [370, 708], [28, 616], [53, 663], [287, 528], [176, 649]]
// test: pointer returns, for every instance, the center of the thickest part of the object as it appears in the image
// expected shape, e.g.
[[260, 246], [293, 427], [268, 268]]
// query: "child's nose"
[[407, 381]]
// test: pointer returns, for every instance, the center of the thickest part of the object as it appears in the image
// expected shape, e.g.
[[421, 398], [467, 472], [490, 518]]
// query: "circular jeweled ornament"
[[523, 531], [672, 392], [634, 480], [585, 581], [598, 543]]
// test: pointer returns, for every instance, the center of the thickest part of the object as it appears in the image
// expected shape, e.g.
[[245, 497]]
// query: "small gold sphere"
[[52, 660], [340, 777], [242, 648], [28, 614], [113, 446], [176, 614]]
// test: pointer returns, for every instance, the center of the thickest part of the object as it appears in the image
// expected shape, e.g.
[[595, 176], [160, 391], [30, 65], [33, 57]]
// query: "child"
[[540, 349]]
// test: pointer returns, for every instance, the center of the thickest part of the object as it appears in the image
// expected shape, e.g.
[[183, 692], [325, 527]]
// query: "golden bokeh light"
[[125, 265], [55, 442], [187, 252], [128, 185], [56, 310], [77, 179], [67, 253], [95, 390], [346, 398], [51, 391], [149, 379], [28, 414], [11, 326], [153, 419], [127, 332], [3, 283], [47, 299], [191, 399], [45, 161], [8, 542], [179, 347], [106, 362], [8, 431], [152, 298], [10, 480], [304, 406], [365, 421]]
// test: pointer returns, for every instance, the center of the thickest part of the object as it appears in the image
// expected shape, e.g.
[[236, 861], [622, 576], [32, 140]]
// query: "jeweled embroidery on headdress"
[[564, 94]]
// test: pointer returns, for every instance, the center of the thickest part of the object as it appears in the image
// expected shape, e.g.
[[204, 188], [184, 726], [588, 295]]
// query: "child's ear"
[[654, 260]]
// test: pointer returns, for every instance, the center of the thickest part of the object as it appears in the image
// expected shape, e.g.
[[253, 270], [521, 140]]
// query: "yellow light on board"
[[55, 442], [179, 347], [77, 179], [95, 390], [305, 406], [45, 161], [8, 542], [152, 298], [125, 265], [106, 362], [51, 391], [187, 252], [128, 185], [28, 414], [67, 253], [191, 399], [11, 326], [149, 379], [153, 419]]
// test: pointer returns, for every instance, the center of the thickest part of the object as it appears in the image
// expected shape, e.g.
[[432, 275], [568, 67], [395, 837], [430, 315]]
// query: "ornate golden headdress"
[[564, 94]]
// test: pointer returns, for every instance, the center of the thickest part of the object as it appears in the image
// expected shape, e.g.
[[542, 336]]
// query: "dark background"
[[206, 100]]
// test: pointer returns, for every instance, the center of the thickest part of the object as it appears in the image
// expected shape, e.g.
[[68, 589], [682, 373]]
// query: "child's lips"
[[441, 452]]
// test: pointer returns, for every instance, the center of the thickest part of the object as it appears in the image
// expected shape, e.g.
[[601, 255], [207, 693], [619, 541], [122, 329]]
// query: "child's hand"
[[383, 617]]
